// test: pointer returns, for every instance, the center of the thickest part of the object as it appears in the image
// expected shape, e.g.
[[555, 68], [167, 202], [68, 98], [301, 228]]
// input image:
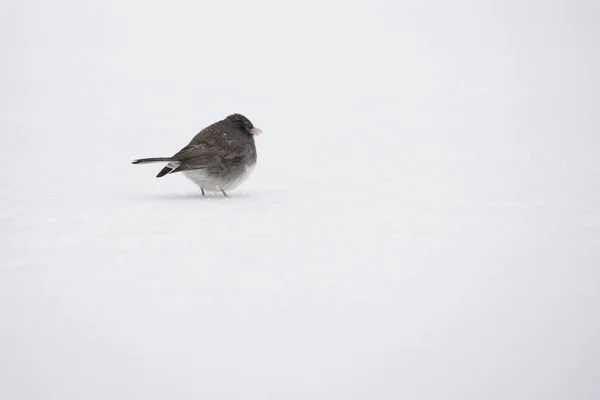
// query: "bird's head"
[[243, 123]]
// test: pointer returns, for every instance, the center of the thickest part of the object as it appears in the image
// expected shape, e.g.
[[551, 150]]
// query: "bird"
[[219, 158]]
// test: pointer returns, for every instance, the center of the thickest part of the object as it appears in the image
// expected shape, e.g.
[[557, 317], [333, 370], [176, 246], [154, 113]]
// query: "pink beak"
[[255, 131]]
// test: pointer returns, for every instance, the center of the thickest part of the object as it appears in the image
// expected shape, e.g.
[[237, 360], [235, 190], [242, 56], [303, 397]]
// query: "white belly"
[[201, 178], [198, 176]]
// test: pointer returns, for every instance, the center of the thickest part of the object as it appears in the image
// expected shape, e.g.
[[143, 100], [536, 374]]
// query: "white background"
[[423, 222]]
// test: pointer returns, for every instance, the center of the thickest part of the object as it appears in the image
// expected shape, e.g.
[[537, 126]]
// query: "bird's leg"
[[224, 194], [202, 191]]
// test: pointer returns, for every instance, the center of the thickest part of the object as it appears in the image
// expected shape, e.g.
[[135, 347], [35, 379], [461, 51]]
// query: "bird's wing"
[[195, 156], [212, 146]]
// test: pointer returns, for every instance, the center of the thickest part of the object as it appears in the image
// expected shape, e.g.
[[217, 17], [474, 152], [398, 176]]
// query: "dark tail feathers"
[[166, 170], [171, 167], [152, 160]]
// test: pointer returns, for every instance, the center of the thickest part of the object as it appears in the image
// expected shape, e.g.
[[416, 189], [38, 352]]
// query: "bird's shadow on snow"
[[195, 197]]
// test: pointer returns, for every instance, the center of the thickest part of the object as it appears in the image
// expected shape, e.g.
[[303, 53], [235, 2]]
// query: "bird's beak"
[[255, 131]]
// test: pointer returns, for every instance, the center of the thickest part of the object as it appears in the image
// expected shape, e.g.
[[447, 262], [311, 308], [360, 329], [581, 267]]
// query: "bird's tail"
[[152, 160], [171, 166]]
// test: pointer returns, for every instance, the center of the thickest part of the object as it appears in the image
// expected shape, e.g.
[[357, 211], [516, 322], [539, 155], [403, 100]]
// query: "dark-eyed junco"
[[220, 157]]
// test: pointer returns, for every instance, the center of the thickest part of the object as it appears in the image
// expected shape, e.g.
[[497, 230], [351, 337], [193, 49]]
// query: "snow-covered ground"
[[423, 222]]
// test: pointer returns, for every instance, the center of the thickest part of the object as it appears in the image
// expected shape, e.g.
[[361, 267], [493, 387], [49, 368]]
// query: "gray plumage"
[[220, 157]]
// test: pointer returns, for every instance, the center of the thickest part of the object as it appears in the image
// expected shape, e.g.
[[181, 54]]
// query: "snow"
[[423, 221]]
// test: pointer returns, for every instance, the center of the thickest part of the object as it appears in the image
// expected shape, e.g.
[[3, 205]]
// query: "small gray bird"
[[220, 157]]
